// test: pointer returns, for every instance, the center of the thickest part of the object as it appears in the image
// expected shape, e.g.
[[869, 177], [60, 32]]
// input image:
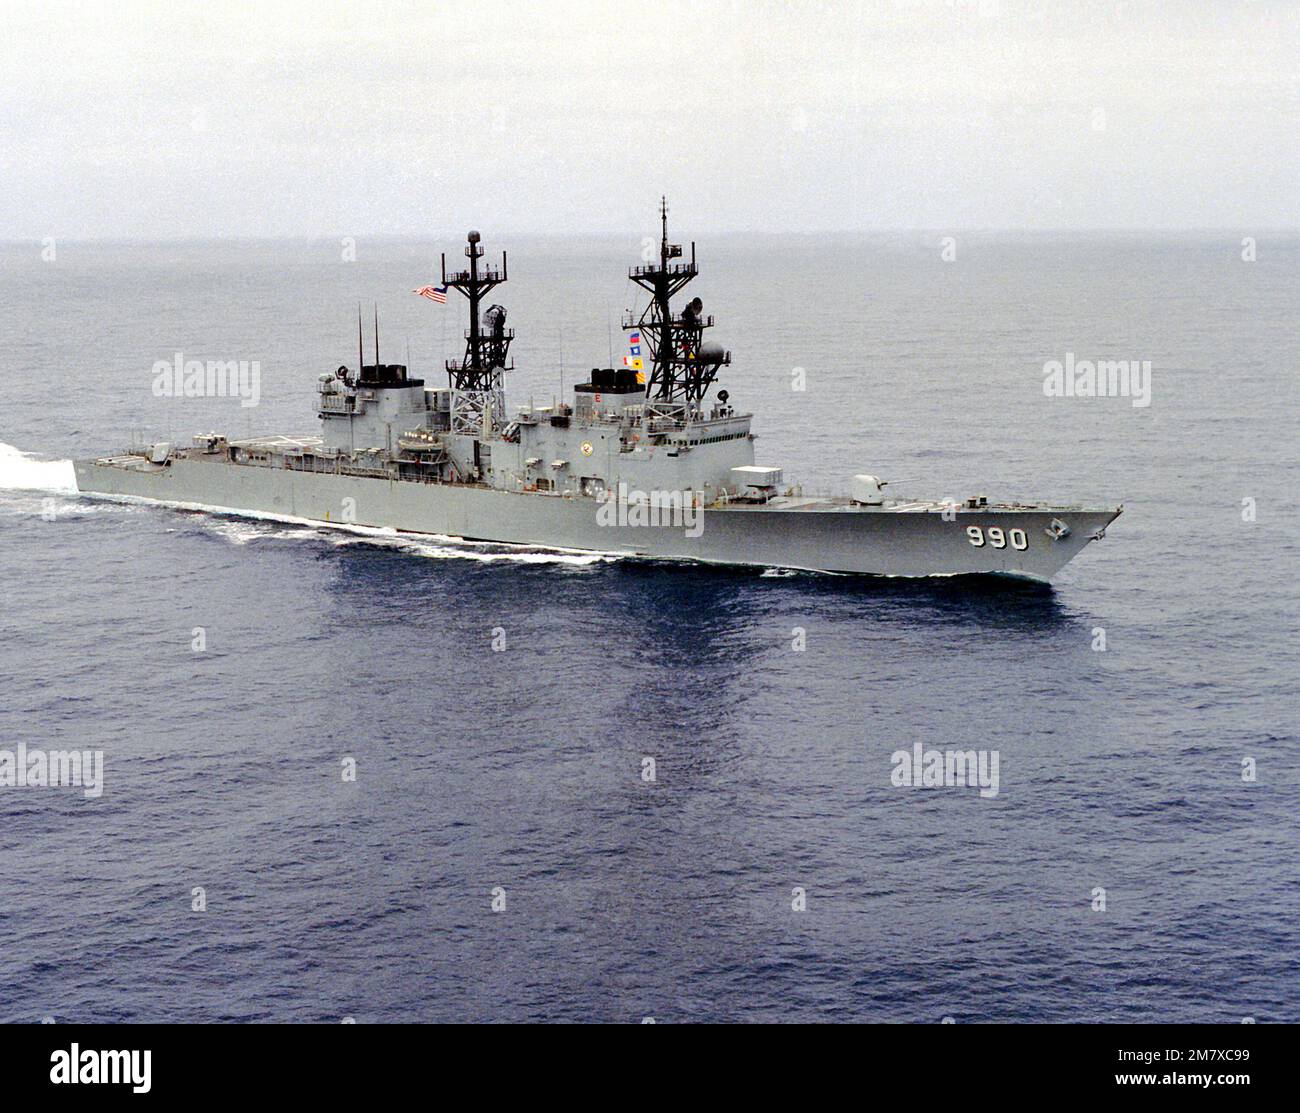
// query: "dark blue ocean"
[[521, 770]]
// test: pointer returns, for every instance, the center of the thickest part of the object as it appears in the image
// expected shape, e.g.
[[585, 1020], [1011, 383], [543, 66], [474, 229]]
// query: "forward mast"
[[477, 381]]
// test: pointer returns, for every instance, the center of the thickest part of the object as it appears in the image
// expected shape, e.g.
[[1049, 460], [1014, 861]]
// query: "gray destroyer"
[[647, 460]]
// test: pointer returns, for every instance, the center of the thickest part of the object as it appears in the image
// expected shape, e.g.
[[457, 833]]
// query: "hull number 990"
[[997, 537]]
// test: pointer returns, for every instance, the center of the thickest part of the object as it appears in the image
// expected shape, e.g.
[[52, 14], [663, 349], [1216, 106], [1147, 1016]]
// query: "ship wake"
[[245, 528], [23, 471]]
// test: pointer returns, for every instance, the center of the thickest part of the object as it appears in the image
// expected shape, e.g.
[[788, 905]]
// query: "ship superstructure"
[[644, 461]]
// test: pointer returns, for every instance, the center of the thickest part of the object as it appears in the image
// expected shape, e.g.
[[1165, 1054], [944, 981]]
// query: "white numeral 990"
[[997, 537]]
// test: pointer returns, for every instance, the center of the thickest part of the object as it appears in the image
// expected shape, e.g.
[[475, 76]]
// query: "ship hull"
[[805, 535]]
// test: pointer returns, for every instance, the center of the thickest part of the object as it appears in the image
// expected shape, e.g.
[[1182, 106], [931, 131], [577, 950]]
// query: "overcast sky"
[[223, 119]]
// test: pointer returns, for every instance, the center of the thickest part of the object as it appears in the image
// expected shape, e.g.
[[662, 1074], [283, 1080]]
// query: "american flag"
[[433, 293]]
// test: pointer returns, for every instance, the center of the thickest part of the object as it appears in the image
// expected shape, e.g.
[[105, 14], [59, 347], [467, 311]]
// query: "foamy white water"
[[250, 526], [21, 471]]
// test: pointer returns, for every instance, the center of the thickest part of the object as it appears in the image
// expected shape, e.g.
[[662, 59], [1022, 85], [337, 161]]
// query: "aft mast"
[[683, 366], [477, 382]]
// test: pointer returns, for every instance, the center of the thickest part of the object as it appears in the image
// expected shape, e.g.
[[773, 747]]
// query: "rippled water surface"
[[521, 770]]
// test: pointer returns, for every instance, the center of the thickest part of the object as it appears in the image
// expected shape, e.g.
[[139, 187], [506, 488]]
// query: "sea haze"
[[521, 770]]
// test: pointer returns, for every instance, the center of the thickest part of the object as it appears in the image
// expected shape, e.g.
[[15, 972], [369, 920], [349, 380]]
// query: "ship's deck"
[[129, 462], [822, 504], [291, 443], [287, 444]]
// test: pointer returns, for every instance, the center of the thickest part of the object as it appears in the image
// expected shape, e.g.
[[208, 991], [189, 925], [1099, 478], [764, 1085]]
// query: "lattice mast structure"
[[477, 381], [683, 365]]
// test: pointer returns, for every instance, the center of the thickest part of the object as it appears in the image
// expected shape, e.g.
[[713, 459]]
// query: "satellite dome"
[[711, 352]]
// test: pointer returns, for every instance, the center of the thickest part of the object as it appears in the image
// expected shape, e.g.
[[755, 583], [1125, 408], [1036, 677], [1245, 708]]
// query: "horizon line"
[[297, 237]]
